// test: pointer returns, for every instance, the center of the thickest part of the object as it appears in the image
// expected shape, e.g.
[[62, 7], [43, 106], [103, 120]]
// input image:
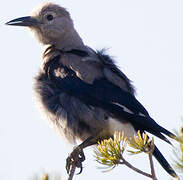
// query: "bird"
[[82, 91]]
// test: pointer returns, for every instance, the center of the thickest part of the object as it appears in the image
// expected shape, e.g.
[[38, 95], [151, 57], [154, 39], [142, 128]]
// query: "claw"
[[75, 158], [68, 164], [81, 169]]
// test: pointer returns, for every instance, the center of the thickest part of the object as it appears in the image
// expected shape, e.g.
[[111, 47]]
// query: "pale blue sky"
[[146, 39]]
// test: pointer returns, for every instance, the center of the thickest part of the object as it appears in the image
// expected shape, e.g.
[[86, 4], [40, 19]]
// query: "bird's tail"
[[157, 154], [157, 130], [168, 133]]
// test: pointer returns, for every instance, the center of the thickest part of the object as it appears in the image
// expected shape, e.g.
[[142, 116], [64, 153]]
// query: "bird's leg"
[[75, 158], [77, 155]]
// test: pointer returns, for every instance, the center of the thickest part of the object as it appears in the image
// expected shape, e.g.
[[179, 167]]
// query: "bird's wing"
[[126, 100], [105, 94]]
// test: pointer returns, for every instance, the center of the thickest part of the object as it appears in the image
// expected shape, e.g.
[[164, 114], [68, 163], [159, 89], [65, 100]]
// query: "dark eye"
[[49, 17]]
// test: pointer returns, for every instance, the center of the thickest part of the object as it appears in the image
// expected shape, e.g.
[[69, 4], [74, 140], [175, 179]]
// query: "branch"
[[71, 173], [110, 152], [134, 168], [152, 167]]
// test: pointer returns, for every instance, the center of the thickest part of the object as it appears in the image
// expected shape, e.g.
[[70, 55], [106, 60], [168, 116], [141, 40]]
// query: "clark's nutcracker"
[[82, 91]]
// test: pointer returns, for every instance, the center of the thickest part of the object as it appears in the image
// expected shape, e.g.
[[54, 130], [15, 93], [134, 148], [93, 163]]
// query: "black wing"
[[104, 94]]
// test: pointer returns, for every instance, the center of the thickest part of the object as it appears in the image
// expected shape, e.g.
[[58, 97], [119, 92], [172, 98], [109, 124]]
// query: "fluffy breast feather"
[[116, 125]]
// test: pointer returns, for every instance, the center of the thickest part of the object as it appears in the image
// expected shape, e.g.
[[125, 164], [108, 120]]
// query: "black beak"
[[23, 21]]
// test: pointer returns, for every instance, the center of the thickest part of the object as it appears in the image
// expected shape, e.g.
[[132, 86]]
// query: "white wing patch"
[[116, 125], [127, 110], [124, 108], [142, 114]]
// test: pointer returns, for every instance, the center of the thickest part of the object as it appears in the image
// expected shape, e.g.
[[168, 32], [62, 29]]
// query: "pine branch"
[[71, 173], [134, 168], [110, 152]]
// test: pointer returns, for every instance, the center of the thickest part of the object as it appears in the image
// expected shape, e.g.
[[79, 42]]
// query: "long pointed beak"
[[23, 21]]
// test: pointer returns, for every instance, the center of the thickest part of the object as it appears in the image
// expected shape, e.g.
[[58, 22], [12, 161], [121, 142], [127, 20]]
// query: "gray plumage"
[[82, 92], [72, 117]]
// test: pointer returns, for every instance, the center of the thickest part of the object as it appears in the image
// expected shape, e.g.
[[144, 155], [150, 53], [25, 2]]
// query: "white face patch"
[[116, 125]]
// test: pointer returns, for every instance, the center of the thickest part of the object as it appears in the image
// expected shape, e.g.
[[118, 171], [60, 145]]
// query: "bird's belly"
[[116, 125]]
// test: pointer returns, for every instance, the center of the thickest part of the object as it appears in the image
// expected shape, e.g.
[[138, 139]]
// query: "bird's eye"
[[49, 17]]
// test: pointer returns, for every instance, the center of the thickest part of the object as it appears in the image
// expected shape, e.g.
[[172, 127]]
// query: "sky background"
[[146, 40]]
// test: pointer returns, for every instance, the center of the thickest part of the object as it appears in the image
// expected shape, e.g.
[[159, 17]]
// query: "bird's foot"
[[75, 159]]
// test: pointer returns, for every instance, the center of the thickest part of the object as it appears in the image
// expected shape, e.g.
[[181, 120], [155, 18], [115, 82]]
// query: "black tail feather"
[[168, 133], [153, 128], [157, 154], [156, 133], [161, 136]]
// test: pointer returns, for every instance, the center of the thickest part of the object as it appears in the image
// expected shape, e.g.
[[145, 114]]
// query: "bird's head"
[[49, 22]]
